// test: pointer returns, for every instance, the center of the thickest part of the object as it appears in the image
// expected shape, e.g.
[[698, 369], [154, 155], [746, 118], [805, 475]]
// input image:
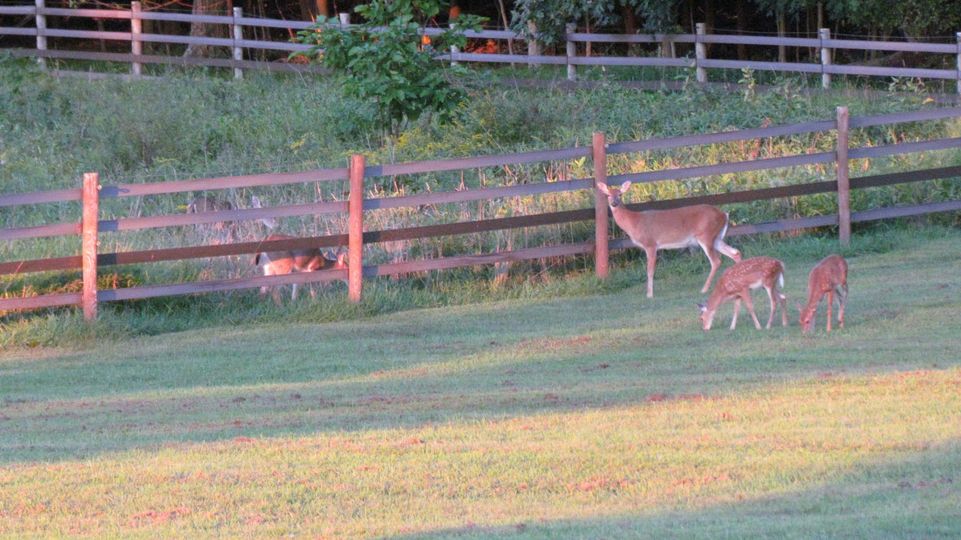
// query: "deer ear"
[[625, 186], [701, 307], [602, 187]]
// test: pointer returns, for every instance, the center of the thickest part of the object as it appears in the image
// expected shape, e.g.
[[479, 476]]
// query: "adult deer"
[[737, 282], [699, 225], [278, 263], [828, 277]]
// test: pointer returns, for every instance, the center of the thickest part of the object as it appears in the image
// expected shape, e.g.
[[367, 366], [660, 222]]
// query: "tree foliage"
[[915, 18], [385, 62], [551, 16]]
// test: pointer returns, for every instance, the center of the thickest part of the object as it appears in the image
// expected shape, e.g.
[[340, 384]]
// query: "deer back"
[[674, 226], [828, 274], [750, 273]]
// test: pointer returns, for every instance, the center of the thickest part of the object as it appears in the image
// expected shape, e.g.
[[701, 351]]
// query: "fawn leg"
[[737, 309], [750, 309]]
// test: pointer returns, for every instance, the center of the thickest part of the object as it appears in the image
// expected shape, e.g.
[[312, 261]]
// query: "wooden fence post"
[[41, 21], [533, 47], [453, 49], [88, 239], [355, 229], [571, 51], [601, 219], [844, 187], [958, 78], [136, 46], [238, 35], [700, 52], [825, 34]]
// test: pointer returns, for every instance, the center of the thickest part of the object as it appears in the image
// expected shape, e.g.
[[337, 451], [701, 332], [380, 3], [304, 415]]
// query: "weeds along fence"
[[236, 30], [359, 175]]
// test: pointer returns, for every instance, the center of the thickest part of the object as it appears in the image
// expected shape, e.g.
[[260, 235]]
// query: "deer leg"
[[728, 251], [651, 254], [293, 292], [749, 304], [783, 308], [842, 300], [737, 309], [770, 297], [269, 271], [830, 307], [715, 261]]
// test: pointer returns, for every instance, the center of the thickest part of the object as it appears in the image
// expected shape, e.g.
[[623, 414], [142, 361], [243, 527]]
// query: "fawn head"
[[806, 318], [707, 316]]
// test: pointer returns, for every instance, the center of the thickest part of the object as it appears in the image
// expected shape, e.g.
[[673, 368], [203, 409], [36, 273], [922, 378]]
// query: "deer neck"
[[626, 219], [717, 297], [814, 297]]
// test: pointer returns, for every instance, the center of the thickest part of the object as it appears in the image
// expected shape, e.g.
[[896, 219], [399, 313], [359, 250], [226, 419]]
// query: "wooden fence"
[[240, 46], [356, 237]]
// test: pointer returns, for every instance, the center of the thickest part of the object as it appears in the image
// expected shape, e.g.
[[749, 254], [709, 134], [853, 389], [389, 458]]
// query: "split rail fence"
[[238, 27], [355, 238]]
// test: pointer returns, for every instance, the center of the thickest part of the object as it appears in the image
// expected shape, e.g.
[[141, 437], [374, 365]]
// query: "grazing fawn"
[[651, 230], [828, 277], [738, 281], [277, 263]]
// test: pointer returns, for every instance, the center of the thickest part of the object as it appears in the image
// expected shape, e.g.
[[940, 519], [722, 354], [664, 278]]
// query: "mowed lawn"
[[601, 416]]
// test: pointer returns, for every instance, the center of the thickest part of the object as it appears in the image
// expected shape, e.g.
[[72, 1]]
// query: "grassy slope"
[[601, 415]]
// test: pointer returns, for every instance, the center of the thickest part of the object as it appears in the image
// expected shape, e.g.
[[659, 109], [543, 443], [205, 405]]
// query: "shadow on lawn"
[[917, 496]]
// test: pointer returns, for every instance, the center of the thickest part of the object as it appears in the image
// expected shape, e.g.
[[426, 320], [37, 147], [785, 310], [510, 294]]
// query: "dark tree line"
[[875, 19]]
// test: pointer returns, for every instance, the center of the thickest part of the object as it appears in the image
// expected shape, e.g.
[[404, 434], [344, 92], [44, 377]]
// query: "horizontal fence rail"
[[358, 204], [239, 43]]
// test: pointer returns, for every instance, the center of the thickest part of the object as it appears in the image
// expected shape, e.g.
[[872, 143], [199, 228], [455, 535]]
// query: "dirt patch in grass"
[[555, 344], [157, 517]]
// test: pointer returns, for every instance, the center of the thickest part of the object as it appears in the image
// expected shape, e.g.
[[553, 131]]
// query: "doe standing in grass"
[[699, 225], [737, 282], [828, 277]]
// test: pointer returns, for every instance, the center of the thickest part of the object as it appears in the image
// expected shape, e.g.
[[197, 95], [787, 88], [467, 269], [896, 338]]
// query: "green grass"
[[555, 412]]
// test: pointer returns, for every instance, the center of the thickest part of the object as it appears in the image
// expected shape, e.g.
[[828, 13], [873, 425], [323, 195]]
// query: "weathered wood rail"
[[240, 47], [357, 205]]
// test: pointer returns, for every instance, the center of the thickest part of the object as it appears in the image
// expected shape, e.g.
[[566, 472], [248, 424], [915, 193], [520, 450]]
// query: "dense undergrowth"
[[198, 124]]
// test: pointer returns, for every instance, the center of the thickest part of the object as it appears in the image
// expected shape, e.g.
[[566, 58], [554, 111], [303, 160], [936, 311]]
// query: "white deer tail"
[[722, 246], [780, 280]]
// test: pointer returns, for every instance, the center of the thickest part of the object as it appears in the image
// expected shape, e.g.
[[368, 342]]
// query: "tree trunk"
[[781, 32], [311, 9], [741, 14], [510, 41], [630, 27], [709, 21], [630, 19], [198, 29]]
